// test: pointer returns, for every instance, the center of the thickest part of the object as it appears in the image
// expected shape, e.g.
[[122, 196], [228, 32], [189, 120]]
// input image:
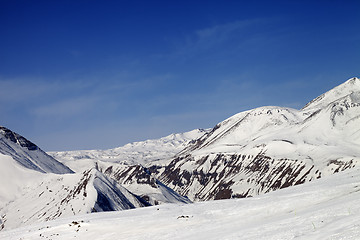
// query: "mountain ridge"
[[28, 154], [336, 92], [136, 153], [268, 148], [260, 150]]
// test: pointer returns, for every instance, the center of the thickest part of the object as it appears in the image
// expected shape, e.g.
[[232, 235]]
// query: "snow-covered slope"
[[34, 187], [29, 196], [28, 154], [13, 178], [127, 164], [268, 148], [324, 209], [141, 182], [349, 88]]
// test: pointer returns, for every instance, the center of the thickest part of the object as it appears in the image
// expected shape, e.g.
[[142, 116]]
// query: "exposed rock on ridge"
[[28, 154], [268, 148]]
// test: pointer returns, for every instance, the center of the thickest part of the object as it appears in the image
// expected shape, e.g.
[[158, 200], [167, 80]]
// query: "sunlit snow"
[[325, 209]]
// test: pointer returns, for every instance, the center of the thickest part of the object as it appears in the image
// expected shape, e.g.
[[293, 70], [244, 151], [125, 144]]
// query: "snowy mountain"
[[29, 196], [141, 182], [34, 187], [268, 148], [145, 153], [349, 88], [36, 194], [28, 154], [324, 209], [127, 164], [251, 153]]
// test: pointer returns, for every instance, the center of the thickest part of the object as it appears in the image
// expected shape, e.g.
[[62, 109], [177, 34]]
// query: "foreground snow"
[[327, 208]]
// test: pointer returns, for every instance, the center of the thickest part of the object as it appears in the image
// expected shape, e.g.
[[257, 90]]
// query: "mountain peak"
[[28, 154], [18, 139], [353, 80], [350, 86]]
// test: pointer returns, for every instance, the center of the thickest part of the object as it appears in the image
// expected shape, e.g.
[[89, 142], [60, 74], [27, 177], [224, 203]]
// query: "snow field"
[[327, 208]]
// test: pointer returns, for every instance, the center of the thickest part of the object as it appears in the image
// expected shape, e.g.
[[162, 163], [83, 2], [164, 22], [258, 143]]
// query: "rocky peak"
[[16, 138], [350, 87], [28, 154]]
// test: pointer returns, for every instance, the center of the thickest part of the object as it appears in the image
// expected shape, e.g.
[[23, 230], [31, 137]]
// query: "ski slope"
[[326, 208]]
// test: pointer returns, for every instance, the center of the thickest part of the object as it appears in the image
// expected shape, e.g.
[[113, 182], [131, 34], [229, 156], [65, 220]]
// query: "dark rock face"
[[145, 178], [131, 174], [16, 138], [225, 176], [103, 204], [28, 154]]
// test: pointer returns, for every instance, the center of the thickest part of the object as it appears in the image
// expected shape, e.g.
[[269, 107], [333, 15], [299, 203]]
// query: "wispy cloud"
[[79, 98], [29, 88], [218, 34], [222, 32], [15, 90], [67, 107]]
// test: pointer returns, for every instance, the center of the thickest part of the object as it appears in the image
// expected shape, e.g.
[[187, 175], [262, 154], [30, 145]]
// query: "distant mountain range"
[[250, 153]]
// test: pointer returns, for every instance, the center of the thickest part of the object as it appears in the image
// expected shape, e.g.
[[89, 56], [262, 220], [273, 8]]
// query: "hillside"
[[34, 187], [324, 209], [28, 154]]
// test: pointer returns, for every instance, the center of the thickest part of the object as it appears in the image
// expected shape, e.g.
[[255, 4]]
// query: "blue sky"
[[99, 74]]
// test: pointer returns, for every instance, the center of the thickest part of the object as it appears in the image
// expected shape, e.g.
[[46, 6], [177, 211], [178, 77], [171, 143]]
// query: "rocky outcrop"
[[28, 154]]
